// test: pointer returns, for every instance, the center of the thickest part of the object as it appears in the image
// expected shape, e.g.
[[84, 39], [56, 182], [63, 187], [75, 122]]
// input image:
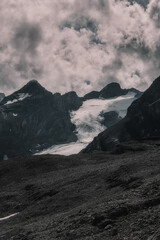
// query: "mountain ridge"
[[33, 119], [141, 122], [111, 90], [32, 89]]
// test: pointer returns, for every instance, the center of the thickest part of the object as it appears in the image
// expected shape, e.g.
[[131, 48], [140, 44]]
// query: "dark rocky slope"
[[141, 122], [33, 118], [2, 95], [110, 91], [98, 196]]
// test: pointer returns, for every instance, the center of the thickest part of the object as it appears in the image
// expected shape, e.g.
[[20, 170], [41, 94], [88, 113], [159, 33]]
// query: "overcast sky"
[[79, 45]]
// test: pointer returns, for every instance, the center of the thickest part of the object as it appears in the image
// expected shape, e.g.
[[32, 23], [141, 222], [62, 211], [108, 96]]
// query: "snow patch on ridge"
[[21, 97]]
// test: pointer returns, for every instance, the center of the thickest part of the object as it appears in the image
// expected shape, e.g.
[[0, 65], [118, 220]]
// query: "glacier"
[[87, 120]]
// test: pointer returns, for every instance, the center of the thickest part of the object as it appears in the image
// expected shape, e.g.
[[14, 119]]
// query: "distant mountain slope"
[[33, 118], [141, 122], [110, 91]]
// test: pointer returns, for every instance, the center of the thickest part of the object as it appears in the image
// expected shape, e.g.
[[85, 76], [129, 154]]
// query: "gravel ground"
[[100, 196]]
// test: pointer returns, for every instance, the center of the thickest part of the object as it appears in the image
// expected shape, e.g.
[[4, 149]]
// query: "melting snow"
[[15, 114], [5, 218], [87, 121], [21, 97], [10, 102], [65, 149]]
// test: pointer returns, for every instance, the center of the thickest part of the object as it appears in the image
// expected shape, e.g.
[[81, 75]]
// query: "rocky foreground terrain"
[[100, 195]]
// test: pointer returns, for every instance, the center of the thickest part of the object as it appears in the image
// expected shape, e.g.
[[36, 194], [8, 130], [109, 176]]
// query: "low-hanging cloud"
[[79, 45]]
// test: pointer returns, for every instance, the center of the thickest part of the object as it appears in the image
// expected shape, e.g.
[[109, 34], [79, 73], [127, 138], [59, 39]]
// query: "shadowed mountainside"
[[33, 118], [141, 122]]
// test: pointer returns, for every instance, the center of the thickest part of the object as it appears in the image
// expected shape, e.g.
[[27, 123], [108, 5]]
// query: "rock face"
[[141, 122], [32, 119], [72, 101], [92, 95], [110, 118], [1, 96], [110, 91]]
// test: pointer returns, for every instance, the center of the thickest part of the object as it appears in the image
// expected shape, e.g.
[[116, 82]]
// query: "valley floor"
[[100, 196]]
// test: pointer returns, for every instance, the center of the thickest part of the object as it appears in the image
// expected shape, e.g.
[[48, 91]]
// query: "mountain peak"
[[33, 87], [113, 84], [112, 90], [33, 82]]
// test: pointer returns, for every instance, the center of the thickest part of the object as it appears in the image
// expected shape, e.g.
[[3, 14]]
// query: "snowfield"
[[88, 122]]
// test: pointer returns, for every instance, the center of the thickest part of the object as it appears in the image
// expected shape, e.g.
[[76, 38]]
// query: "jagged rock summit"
[[31, 89], [110, 91], [32, 119], [141, 122]]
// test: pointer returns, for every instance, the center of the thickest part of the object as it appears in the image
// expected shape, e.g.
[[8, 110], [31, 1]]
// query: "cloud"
[[79, 45], [27, 37], [154, 12]]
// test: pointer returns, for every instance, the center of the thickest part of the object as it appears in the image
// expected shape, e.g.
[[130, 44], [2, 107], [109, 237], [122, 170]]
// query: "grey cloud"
[[134, 46], [79, 45], [7, 77], [115, 65], [81, 23], [27, 37], [26, 69], [154, 12], [94, 39]]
